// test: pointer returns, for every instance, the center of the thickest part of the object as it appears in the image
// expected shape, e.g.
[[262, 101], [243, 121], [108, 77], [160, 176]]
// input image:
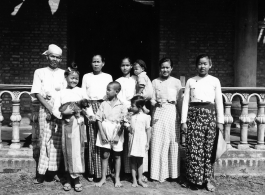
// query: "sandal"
[[39, 179], [78, 185], [194, 187], [56, 178], [185, 184], [90, 179], [67, 186], [144, 179], [210, 187]]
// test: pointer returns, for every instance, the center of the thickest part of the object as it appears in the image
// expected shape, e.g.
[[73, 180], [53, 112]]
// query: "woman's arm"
[[153, 100], [185, 103], [219, 105]]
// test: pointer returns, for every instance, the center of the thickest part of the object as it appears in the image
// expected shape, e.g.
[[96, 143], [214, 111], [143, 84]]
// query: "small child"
[[144, 86], [139, 146], [109, 117]]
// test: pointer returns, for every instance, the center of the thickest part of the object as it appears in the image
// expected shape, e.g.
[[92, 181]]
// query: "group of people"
[[130, 121]]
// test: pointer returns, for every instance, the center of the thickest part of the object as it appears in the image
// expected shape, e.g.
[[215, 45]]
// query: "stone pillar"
[[228, 120], [1, 119], [260, 119], [15, 118], [246, 28], [244, 121]]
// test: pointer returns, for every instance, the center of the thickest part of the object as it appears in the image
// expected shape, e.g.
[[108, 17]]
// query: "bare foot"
[[141, 183], [118, 183], [210, 187], [101, 183], [134, 184]]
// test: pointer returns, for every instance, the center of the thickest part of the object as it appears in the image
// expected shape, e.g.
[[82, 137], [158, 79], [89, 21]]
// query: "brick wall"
[[25, 36], [190, 27]]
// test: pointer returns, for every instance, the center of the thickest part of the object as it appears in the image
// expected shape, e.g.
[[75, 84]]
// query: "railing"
[[16, 91], [229, 93], [245, 93]]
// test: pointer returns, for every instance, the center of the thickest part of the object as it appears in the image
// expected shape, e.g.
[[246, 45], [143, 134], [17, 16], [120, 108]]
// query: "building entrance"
[[114, 29]]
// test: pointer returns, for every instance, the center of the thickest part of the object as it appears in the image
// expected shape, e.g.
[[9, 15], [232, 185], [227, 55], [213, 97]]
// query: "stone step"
[[13, 160], [11, 165]]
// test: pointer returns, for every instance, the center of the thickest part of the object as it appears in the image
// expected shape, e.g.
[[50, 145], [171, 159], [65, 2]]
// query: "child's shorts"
[[111, 129]]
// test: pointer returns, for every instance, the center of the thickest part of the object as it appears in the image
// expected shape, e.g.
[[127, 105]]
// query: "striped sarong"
[[73, 145], [94, 152]]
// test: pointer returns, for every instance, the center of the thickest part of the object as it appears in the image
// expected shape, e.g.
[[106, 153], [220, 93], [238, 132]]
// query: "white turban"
[[53, 49]]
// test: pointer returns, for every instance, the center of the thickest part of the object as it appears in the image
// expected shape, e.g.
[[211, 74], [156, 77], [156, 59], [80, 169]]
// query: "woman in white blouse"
[[202, 115], [165, 132], [95, 83]]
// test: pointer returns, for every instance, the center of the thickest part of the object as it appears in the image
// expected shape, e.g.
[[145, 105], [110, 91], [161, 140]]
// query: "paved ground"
[[22, 183]]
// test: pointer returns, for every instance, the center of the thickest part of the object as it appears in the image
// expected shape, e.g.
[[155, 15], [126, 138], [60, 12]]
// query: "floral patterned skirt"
[[201, 133]]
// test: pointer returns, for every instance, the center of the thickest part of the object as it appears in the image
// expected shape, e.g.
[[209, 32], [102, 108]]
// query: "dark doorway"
[[113, 28]]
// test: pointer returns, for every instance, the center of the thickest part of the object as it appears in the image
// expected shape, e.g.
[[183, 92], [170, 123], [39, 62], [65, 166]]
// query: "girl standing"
[[165, 133], [139, 146], [72, 130], [95, 84], [202, 116], [128, 84]]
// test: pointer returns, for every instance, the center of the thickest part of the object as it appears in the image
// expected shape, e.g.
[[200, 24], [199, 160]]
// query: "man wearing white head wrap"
[[47, 83]]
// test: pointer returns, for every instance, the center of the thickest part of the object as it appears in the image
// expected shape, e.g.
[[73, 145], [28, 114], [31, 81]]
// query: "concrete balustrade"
[[228, 94], [15, 91], [260, 119], [228, 120]]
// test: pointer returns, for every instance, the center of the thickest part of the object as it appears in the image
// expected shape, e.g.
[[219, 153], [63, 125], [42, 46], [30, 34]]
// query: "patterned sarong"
[[200, 138], [73, 145], [51, 143]]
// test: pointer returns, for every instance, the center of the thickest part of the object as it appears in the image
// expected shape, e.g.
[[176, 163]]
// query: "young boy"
[[144, 86], [110, 136]]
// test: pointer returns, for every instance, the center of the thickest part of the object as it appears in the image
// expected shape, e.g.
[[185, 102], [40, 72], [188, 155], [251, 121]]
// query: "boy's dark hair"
[[165, 60], [117, 85], [141, 63], [203, 56], [139, 101], [71, 70]]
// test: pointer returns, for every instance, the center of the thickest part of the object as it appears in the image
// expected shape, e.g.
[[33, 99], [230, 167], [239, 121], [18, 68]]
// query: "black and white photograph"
[[144, 97]]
